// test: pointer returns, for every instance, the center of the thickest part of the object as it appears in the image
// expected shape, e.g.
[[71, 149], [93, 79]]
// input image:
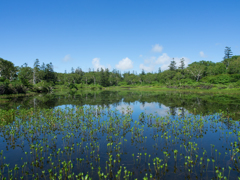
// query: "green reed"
[[88, 142]]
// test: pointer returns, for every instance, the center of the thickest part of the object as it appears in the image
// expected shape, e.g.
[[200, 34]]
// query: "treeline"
[[42, 78]]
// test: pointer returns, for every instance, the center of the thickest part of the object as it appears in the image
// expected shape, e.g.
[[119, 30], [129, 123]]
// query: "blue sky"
[[118, 34]]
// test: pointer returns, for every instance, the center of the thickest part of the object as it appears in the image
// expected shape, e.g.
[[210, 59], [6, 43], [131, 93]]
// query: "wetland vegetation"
[[120, 135], [196, 76], [180, 123]]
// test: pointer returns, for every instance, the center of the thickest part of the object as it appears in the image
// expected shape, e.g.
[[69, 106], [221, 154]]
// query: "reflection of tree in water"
[[173, 110], [203, 104], [182, 114]]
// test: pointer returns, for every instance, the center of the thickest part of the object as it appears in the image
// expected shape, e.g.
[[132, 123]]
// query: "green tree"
[[49, 73], [227, 53], [166, 76], [87, 77], [106, 76], [72, 70], [227, 56], [102, 78], [149, 78], [7, 70], [234, 67], [196, 70], [172, 66], [182, 64], [25, 75], [36, 72]]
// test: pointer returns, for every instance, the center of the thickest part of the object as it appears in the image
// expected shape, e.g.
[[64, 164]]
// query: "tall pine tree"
[[172, 66]]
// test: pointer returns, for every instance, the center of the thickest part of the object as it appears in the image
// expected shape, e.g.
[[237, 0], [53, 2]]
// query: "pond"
[[120, 135]]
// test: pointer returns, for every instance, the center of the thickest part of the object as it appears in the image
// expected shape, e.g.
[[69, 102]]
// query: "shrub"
[[187, 81], [13, 87], [218, 79], [123, 83], [43, 86], [3, 88]]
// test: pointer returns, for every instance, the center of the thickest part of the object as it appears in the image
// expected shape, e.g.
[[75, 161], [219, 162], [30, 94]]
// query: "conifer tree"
[[172, 65], [182, 64]]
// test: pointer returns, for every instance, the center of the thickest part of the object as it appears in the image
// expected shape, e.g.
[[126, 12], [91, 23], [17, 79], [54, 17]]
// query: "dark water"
[[169, 101], [135, 135]]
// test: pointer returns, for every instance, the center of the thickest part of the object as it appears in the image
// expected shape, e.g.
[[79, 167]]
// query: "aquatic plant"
[[102, 143]]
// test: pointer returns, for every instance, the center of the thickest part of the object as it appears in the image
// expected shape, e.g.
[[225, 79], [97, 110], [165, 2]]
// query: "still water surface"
[[124, 134]]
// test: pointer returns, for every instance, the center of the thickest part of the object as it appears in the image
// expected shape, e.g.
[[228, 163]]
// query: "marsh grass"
[[101, 143]]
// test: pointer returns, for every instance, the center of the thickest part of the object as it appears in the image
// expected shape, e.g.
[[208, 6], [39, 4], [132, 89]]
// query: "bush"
[[123, 83], [187, 81], [218, 79], [3, 88], [79, 86], [13, 87], [16, 87], [238, 83], [43, 86], [235, 77]]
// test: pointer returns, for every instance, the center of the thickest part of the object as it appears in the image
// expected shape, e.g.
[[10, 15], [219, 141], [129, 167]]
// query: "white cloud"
[[201, 53], [124, 108], [96, 63], [147, 68], [186, 61], [140, 55], [154, 108], [67, 58], [162, 61], [125, 64], [109, 66], [157, 48]]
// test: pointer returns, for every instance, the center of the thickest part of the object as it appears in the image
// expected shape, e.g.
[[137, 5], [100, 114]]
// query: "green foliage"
[[197, 70], [7, 70], [43, 86], [71, 86], [95, 87], [187, 81], [234, 65], [13, 87], [172, 66], [224, 72], [166, 76], [218, 79], [25, 75], [123, 83]]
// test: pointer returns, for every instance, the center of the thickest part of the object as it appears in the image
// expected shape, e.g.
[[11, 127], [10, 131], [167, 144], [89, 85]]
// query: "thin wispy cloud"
[[157, 48], [67, 58], [201, 53], [125, 64], [147, 68]]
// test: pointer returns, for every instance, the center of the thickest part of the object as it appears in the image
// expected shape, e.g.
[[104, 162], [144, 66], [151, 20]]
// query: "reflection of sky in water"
[[137, 108]]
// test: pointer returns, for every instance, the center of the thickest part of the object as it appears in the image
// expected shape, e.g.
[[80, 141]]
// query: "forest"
[[42, 78]]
